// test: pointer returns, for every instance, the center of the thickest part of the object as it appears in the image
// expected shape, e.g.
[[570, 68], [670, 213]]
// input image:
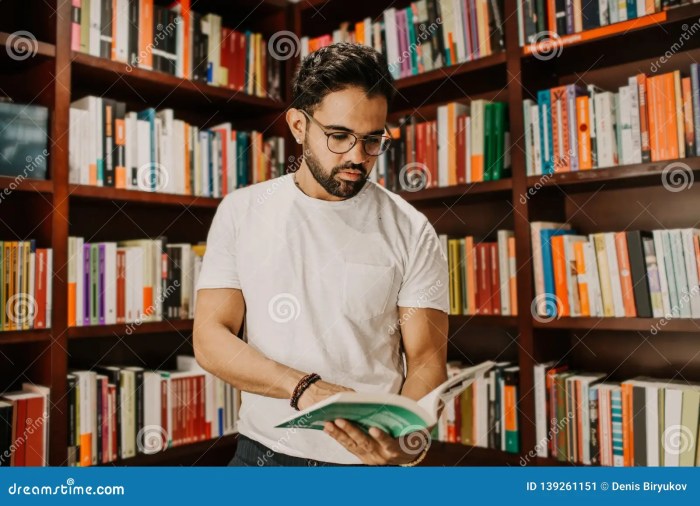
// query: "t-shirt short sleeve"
[[425, 281], [219, 266]]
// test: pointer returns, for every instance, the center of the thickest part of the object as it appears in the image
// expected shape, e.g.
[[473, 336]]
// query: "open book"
[[396, 414]]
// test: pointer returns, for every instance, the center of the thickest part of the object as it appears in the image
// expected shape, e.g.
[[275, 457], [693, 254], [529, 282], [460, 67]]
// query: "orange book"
[[146, 33], [360, 32], [119, 140], [115, 25], [583, 128], [559, 265], [680, 123], [560, 129], [581, 275], [688, 116], [653, 106], [627, 427], [513, 277], [451, 144], [669, 119], [623, 262]]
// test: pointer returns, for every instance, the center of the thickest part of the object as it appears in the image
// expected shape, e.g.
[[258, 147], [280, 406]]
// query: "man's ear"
[[297, 124]]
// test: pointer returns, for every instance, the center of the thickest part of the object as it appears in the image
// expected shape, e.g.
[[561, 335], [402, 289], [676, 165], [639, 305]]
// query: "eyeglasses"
[[340, 142]]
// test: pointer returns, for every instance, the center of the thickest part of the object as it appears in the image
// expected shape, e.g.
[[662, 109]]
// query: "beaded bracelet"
[[301, 387]]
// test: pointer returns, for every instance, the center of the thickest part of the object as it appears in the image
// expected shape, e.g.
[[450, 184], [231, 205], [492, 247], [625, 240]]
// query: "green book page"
[[395, 420]]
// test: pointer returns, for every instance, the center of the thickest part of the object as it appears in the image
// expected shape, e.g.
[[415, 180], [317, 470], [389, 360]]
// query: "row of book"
[[117, 412], [486, 413], [426, 35], [151, 150], [482, 275], [616, 274], [175, 40], [133, 281], [582, 418], [651, 118], [464, 144], [24, 426], [26, 282], [552, 18]]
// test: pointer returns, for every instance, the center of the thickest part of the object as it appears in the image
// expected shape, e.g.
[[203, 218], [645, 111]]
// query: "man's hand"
[[378, 448], [319, 391]]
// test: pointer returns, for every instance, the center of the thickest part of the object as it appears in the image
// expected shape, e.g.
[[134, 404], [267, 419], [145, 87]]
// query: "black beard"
[[335, 187]]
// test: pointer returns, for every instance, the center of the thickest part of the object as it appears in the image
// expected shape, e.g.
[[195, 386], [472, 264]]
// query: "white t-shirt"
[[322, 282]]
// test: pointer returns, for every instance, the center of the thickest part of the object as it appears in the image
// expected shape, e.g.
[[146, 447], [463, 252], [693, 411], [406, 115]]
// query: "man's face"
[[349, 111]]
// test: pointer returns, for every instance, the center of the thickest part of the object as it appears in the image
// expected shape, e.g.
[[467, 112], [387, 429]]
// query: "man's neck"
[[306, 182]]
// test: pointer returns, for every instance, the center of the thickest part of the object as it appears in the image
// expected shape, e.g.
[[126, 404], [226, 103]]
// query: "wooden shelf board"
[[502, 186], [438, 75], [101, 193], [42, 48], [456, 454], [89, 67], [25, 336], [622, 324], [483, 320], [179, 453], [616, 31], [164, 327], [624, 175], [26, 185]]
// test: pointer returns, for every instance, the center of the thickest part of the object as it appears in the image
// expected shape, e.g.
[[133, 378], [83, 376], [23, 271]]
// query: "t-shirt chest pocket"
[[367, 289]]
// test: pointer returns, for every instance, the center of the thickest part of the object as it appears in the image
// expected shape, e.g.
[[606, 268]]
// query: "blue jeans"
[[250, 453]]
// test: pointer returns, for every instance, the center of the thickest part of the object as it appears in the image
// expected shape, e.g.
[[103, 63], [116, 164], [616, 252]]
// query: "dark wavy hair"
[[337, 67]]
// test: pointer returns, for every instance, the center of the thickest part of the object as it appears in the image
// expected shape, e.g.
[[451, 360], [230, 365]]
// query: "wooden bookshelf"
[[163, 327], [612, 198], [95, 193]]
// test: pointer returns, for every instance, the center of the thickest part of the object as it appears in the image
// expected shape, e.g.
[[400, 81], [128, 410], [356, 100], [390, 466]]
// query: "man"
[[336, 276]]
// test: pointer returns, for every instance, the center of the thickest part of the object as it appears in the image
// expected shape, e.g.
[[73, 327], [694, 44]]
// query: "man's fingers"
[[360, 438], [341, 436], [384, 439]]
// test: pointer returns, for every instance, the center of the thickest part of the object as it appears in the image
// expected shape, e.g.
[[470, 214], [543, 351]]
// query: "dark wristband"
[[301, 387]]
